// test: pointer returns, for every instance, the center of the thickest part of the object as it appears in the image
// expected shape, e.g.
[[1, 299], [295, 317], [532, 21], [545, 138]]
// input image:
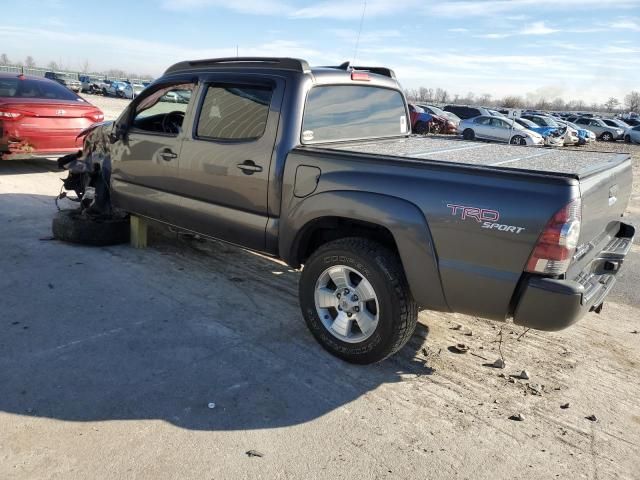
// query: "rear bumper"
[[552, 304]]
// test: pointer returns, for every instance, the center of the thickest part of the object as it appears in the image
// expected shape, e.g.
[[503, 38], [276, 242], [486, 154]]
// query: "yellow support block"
[[138, 232]]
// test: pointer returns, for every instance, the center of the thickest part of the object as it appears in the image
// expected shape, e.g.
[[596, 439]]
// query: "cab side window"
[[163, 110], [234, 112]]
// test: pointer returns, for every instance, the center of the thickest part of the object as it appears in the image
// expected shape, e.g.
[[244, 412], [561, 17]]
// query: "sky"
[[573, 49]]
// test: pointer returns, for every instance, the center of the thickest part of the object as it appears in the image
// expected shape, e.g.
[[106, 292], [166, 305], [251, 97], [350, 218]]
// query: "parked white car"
[[498, 129], [132, 90]]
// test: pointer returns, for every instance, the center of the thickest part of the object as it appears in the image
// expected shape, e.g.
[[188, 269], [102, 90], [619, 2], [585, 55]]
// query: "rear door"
[[225, 160], [482, 127]]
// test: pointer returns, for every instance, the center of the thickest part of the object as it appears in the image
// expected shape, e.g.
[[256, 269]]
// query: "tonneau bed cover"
[[571, 163]]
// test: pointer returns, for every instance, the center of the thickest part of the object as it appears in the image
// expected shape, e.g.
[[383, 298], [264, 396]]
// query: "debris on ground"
[[211, 405], [468, 333], [564, 406], [459, 348], [635, 332], [592, 417], [535, 389], [524, 375], [457, 326], [499, 363], [518, 417], [254, 453]]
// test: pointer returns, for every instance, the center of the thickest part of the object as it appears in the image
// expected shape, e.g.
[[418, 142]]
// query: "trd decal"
[[486, 217]]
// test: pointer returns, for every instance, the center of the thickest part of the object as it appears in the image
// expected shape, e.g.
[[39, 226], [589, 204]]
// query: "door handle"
[[168, 155], [249, 167]]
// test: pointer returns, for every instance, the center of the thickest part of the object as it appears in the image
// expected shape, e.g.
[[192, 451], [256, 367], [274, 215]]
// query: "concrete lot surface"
[[109, 358]]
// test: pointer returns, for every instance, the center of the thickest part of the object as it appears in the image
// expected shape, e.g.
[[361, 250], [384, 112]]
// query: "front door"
[[145, 160]]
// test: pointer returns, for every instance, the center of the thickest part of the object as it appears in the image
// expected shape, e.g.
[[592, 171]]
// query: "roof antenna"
[[355, 53]]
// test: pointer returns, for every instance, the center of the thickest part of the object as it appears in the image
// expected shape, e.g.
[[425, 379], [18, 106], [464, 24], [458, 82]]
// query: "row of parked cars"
[[114, 88], [526, 128], [97, 85]]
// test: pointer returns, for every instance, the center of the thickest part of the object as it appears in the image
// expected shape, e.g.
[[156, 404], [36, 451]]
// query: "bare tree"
[[52, 66], [85, 66], [512, 102], [4, 60], [485, 99], [441, 96], [29, 62], [611, 104], [558, 104], [632, 101]]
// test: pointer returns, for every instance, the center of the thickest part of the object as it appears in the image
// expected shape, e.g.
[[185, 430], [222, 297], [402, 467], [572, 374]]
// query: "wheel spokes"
[[366, 321], [342, 325], [365, 291], [326, 298], [340, 277]]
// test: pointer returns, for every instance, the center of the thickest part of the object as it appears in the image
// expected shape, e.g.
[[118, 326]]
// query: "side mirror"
[[118, 132]]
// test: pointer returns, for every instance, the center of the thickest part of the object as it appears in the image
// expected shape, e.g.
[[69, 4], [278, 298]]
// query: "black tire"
[[398, 312], [627, 138], [518, 140], [607, 137], [76, 227], [420, 128], [469, 134]]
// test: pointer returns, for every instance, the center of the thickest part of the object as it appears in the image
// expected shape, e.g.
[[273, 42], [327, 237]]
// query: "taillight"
[[95, 116], [558, 241], [9, 115]]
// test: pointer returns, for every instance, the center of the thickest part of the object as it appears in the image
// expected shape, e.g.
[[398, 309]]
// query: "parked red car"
[[40, 117]]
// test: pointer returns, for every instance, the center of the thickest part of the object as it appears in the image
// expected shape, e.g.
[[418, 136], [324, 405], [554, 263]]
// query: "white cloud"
[[538, 28], [626, 24], [346, 10], [254, 7], [454, 8]]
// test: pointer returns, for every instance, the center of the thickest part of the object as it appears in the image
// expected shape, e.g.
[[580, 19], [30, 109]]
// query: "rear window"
[[32, 88], [350, 112]]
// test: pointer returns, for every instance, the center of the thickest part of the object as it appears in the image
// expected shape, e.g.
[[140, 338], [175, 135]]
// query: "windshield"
[[548, 121], [32, 88], [437, 111], [351, 112], [527, 123]]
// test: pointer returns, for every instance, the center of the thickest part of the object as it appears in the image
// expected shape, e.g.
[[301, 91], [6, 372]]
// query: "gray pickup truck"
[[318, 167]]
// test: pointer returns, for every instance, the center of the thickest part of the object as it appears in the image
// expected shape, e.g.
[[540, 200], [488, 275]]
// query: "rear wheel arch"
[[394, 223]]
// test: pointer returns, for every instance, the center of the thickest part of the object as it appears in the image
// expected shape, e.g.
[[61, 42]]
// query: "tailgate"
[[605, 196]]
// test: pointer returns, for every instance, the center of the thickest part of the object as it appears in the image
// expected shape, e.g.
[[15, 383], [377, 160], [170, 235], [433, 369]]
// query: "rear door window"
[[352, 112], [234, 112]]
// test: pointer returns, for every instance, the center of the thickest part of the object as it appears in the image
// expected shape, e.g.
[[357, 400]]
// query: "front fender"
[[403, 219]]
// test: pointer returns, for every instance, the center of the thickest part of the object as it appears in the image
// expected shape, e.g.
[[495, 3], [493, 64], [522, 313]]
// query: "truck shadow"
[[203, 335]]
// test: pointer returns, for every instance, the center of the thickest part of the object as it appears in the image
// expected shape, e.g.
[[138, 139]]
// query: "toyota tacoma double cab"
[[317, 167]]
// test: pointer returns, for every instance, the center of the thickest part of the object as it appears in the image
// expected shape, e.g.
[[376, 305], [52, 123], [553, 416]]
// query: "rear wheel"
[[607, 137], [468, 134], [627, 138], [356, 300], [518, 140]]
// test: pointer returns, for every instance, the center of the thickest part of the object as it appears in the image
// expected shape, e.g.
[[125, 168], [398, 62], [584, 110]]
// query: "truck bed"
[[569, 163]]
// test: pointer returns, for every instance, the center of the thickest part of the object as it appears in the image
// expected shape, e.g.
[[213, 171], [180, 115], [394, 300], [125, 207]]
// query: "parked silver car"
[[498, 129], [632, 134], [601, 129]]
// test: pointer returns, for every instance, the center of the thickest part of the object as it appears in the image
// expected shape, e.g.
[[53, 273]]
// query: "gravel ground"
[[109, 358]]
